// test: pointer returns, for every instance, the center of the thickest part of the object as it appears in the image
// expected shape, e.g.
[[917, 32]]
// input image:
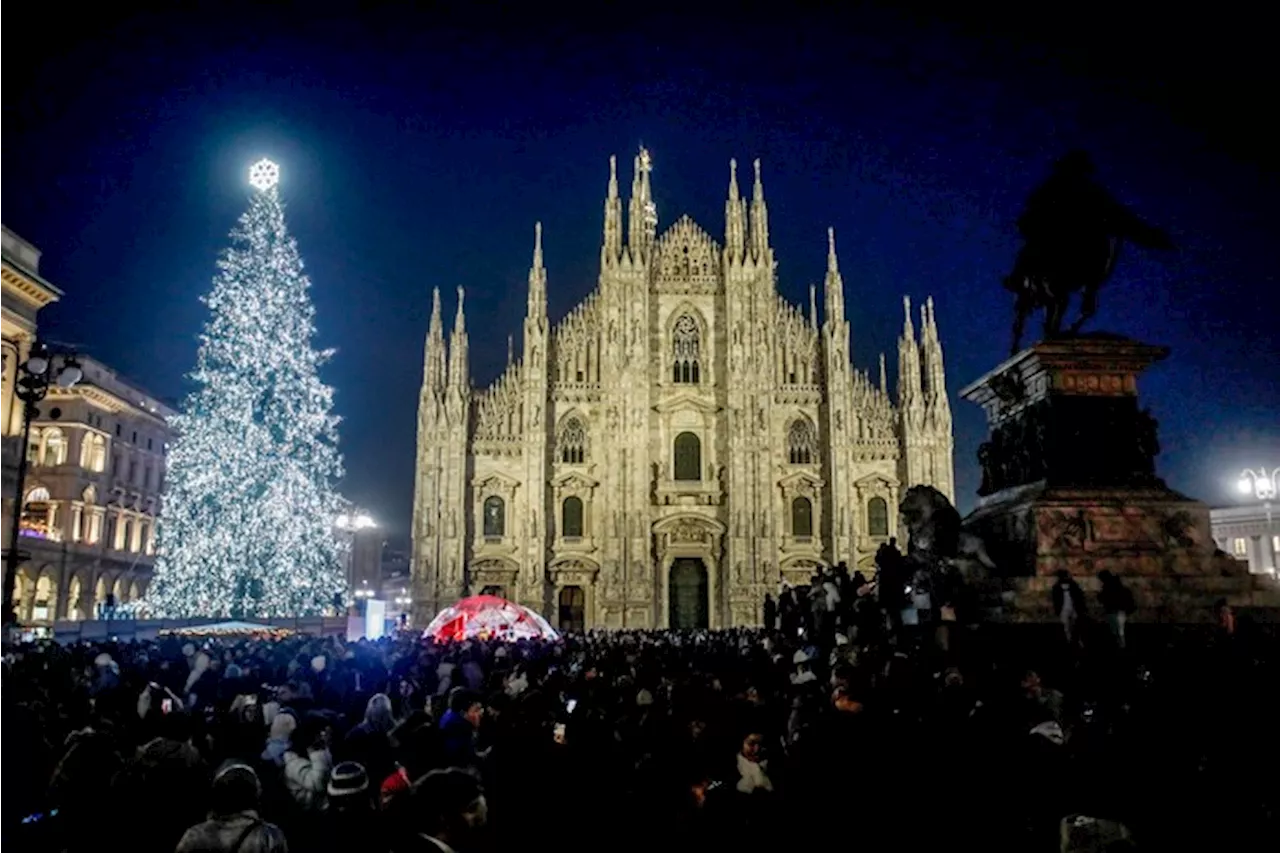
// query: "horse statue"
[[1073, 231], [935, 535]]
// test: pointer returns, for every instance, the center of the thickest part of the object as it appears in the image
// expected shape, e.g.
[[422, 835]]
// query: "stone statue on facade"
[[1072, 230]]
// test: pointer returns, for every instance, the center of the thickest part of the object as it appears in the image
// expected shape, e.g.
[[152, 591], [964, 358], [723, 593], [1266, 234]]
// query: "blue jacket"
[[459, 740]]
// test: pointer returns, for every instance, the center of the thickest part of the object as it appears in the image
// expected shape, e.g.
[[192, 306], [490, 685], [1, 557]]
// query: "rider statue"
[[1072, 229]]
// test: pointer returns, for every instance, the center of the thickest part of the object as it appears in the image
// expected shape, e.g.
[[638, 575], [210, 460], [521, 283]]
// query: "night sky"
[[418, 152]]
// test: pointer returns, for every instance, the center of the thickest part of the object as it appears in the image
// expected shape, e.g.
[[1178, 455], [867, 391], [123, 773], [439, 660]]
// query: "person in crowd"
[[892, 581], [449, 812], [770, 613], [307, 764], [369, 743], [1068, 605], [351, 818], [1117, 603], [753, 772], [279, 738], [459, 728], [234, 825]]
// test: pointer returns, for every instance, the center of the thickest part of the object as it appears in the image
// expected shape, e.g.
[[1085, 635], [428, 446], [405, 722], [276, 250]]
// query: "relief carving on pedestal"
[[1065, 530], [1179, 530]]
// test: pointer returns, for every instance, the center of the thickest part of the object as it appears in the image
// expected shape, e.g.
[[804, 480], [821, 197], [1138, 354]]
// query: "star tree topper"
[[264, 174]]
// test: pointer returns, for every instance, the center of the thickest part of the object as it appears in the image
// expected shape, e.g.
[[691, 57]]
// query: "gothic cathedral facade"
[[678, 445]]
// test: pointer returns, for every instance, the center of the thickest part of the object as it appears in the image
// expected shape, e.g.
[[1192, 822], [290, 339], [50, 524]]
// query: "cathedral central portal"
[[680, 443], [689, 590]]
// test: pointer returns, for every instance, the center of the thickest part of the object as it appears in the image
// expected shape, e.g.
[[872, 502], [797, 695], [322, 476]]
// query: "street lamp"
[[32, 381], [1260, 484], [351, 523]]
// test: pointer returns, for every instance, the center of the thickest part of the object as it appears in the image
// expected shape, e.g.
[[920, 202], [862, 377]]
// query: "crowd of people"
[[838, 723]]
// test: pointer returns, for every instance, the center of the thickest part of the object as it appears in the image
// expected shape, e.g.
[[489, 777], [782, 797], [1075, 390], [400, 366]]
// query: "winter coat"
[[307, 779], [242, 832], [459, 740], [1077, 598], [1115, 597]]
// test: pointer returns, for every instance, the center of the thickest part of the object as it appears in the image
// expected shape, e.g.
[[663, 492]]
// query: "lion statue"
[[933, 526]]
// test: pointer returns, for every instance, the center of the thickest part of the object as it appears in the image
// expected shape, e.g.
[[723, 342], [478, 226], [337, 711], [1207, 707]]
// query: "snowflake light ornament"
[[264, 174]]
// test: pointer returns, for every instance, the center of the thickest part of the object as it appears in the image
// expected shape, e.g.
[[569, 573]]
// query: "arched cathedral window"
[[571, 517], [802, 444], [688, 457], [877, 517], [801, 518], [573, 441], [495, 517], [685, 349]]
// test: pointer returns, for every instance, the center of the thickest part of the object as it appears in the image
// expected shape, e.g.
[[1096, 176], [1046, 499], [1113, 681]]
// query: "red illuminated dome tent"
[[486, 617]]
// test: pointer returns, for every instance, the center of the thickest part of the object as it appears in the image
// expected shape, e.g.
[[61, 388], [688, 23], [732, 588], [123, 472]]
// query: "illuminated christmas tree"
[[246, 528]]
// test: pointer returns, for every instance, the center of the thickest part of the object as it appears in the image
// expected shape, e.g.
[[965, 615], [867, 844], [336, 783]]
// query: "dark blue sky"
[[419, 152]]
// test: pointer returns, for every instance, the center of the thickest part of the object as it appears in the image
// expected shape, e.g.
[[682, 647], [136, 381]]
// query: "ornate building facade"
[[679, 444], [96, 465]]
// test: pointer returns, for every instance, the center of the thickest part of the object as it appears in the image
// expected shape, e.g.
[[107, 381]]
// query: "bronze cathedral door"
[[687, 591]]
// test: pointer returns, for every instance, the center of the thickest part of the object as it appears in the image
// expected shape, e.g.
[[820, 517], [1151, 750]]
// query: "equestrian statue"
[[1072, 230]]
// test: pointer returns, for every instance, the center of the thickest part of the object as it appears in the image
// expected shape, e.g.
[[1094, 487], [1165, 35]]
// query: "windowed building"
[[679, 444], [1250, 533], [95, 471]]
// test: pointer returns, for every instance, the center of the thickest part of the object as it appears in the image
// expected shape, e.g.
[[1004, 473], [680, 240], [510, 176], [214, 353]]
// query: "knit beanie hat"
[[348, 779]]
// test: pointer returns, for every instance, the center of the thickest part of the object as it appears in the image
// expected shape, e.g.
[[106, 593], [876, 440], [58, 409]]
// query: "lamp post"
[[351, 524], [1262, 485], [32, 381]]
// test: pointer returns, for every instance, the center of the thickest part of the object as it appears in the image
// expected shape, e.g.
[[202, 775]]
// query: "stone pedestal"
[[1069, 483]]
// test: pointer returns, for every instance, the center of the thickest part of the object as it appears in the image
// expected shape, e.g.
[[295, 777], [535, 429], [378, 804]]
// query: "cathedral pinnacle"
[[459, 370], [884, 379], [437, 325], [735, 218], [643, 213], [537, 278], [910, 394], [433, 368], [612, 248], [833, 287], [759, 218]]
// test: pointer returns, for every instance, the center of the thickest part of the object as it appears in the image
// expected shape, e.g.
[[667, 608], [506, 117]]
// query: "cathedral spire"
[[433, 374], [813, 306], [833, 287], [931, 364], [643, 213], [511, 349], [459, 369], [537, 278], [910, 395], [612, 248], [735, 217], [759, 218], [884, 380]]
